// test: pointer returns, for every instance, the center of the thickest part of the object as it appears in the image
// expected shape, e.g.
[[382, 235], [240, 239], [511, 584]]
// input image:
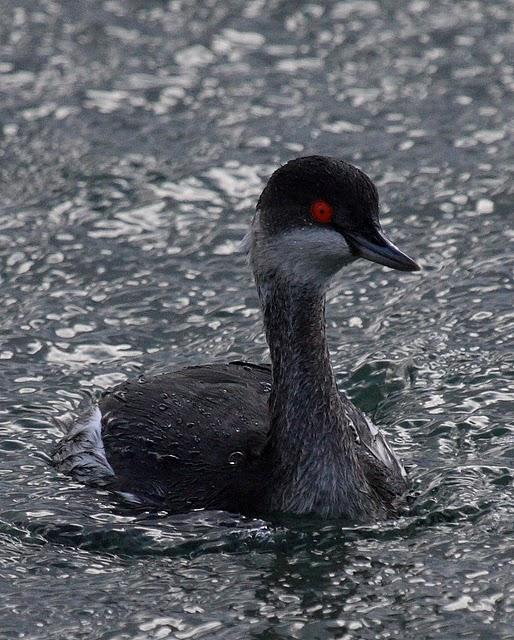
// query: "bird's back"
[[194, 438], [184, 439]]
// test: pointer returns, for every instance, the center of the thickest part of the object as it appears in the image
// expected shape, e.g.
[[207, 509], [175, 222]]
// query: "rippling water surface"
[[134, 139]]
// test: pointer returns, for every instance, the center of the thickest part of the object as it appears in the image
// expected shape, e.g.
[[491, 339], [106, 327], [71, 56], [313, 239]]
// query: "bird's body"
[[218, 415], [250, 438]]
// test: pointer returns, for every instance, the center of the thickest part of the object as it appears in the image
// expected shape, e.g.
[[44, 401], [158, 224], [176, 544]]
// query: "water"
[[134, 139]]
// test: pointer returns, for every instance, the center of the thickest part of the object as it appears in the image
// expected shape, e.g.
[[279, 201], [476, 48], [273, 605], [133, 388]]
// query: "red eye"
[[321, 211]]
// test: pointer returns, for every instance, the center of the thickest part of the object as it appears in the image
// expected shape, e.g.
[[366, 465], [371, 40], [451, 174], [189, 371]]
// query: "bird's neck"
[[294, 321], [310, 438]]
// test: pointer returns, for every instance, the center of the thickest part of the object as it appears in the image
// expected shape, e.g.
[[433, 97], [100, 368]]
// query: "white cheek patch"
[[307, 254]]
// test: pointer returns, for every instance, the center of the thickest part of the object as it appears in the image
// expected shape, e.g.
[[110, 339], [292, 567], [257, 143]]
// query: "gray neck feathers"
[[304, 404], [294, 320], [310, 443], [304, 396]]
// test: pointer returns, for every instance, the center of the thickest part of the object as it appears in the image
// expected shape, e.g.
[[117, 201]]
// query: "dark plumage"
[[185, 439], [250, 438], [293, 187]]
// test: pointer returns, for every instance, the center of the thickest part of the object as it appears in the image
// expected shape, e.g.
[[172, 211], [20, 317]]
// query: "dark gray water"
[[134, 139]]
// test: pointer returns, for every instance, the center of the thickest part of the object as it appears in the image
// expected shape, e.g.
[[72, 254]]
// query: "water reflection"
[[134, 139]]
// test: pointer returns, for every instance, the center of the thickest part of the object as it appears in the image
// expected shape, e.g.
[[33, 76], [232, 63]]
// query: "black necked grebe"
[[254, 439]]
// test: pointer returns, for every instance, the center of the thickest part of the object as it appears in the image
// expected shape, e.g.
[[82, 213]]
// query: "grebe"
[[255, 439]]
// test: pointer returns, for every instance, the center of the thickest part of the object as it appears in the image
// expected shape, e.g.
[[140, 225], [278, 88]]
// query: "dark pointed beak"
[[373, 245]]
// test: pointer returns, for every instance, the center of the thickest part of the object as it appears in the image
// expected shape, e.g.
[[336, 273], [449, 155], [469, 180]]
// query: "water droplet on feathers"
[[236, 457]]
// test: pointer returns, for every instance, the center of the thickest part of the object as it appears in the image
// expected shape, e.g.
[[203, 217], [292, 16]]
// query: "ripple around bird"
[[134, 141]]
